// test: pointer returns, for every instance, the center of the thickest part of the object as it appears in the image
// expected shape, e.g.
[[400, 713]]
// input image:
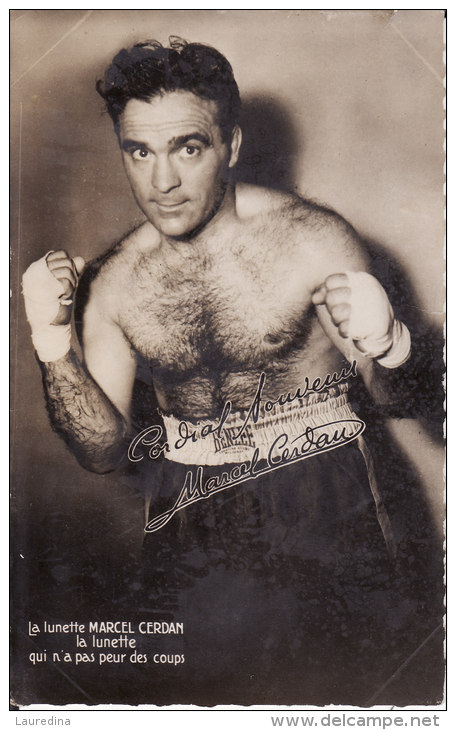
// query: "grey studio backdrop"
[[343, 107]]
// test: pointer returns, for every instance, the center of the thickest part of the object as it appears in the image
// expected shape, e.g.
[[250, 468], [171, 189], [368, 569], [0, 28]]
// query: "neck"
[[223, 214]]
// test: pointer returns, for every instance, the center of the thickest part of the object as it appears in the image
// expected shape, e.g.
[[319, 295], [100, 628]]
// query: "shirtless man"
[[221, 283]]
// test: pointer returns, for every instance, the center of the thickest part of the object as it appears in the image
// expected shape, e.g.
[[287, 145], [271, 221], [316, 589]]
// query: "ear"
[[235, 146]]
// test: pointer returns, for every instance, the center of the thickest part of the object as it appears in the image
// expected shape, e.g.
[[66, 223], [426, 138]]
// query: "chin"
[[172, 227], [177, 231]]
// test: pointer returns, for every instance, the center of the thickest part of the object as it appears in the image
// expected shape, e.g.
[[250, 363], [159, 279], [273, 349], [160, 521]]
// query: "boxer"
[[223, 282]]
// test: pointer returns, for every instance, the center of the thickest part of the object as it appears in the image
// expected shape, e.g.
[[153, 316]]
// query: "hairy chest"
[[230, 311]]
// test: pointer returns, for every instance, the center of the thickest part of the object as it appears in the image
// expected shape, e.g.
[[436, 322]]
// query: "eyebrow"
[[174, 144], [129, 144], [177, 142]]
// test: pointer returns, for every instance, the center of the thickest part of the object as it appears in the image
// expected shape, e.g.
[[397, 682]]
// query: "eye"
[[190, 150], [140, 153]]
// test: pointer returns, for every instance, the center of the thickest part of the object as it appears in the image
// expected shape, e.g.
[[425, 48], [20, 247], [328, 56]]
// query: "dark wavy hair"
[[150, 69]]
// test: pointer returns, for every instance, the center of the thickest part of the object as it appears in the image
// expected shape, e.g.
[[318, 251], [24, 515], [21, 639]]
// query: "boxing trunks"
[[283, 580]]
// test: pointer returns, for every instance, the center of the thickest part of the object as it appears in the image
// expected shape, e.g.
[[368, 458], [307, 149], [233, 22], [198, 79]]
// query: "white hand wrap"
[[372, 325], [41, 296]]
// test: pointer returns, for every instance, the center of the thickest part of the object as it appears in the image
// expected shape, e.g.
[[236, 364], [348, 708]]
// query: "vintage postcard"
[[227, 267]]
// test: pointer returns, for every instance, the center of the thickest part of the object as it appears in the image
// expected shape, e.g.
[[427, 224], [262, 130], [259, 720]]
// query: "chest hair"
[[238, 303]]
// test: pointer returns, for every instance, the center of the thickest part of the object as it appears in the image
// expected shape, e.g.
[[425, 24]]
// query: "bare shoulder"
[[105, 277], [313, 221], [326, 242], [253, 200], [310, 235]]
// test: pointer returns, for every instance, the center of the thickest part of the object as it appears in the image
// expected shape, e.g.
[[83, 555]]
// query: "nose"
[[165, 176]]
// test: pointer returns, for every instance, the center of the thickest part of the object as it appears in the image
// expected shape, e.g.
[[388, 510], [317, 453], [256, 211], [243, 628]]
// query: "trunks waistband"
[[236, 439]]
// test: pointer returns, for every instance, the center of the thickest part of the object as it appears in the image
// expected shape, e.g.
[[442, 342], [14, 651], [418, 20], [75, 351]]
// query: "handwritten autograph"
[[281, 452], [152, 435], [279, 456]]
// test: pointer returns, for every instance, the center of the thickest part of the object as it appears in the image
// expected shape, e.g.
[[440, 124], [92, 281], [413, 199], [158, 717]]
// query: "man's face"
[[175, 160]]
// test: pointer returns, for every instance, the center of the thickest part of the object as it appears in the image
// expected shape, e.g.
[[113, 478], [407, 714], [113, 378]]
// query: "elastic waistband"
[[237, 438]]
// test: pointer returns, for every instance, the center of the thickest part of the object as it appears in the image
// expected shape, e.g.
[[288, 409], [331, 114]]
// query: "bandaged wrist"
[[42, 292], [52, 342], [373, 327], [399, 351]]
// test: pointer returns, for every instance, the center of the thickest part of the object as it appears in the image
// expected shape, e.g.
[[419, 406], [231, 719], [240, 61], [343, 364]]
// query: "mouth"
[[169, 207]]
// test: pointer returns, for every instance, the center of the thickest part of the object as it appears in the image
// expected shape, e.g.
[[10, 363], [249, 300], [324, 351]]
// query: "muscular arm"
[[88, 402], [81, 413], [340, 250]]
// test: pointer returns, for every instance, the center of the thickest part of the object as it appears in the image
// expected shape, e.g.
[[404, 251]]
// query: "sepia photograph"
[[227, 358]]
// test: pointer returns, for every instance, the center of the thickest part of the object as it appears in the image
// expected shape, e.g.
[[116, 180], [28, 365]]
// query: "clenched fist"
[[360, 309], [66, 271], [48, 286]]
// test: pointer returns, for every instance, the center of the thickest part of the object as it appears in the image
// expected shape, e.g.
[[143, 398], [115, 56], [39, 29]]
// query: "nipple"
[[274, 338]]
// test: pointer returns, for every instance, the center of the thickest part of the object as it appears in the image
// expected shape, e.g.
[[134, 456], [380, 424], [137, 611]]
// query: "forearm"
[[388, 388], [415, 388], [81, 413]]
